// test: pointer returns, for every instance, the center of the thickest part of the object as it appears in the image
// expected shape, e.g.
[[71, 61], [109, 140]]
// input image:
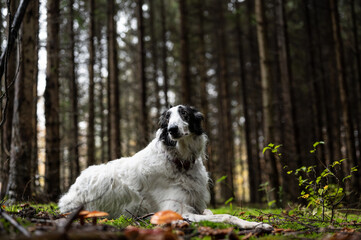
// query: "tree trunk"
[[113, 85], [255, 105], [142, 78], [202, 69], [51, 95], [184, 54], [316, 88], [291, 154], [91, 106], [8, 115], [103, 144], [154, 51], [73, 86], [253, 164], [227, 150], [164, 52], [266, 84], [22, 144], [343, 93], [331, 124], [358, 70]]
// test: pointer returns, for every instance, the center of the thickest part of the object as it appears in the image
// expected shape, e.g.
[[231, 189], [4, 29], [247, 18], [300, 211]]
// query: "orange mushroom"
[[95, 214], [165, 217], [82, 215]]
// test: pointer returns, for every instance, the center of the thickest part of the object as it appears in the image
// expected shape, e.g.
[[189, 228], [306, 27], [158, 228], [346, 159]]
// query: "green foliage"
[[265, 187], [322, 190], [273, 148]]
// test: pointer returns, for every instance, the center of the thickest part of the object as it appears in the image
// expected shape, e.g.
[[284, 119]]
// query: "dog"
[[168, 174]]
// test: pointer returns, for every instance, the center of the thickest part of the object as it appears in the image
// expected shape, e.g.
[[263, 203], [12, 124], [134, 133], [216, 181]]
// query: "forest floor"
[[34, 221]]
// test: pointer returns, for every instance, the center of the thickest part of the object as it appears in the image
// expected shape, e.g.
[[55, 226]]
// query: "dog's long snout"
[[174, 130]]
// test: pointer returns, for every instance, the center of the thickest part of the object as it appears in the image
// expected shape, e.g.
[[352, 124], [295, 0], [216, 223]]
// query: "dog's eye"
[[167, 115], [184, 114]]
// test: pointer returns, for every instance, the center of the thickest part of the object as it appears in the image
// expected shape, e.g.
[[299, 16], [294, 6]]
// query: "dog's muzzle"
[[174, 132]]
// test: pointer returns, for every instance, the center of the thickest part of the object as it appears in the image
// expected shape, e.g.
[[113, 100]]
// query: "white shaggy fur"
[[151, 181]]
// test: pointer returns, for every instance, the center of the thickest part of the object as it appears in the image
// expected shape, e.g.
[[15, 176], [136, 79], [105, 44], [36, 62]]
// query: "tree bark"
[[358, 70], [51, 95], [202, 69], [73, 86], [266, 83], [91, 106], [22, 144], [253, 163], [343, 93], [154, 51], [142, 78], [184, 54], [291, 154], [8, 107], [164, 52], [113, 85], [316, 87], [227, 150]]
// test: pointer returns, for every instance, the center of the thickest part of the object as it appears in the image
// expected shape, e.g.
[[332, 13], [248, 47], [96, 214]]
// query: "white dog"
[[166, 175]]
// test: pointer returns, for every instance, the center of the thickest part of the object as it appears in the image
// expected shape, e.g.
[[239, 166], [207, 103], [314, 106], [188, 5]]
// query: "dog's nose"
[[173, 130]]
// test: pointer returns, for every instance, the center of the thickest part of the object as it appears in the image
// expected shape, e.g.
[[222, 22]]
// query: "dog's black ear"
[[163, 121], [196, 121]]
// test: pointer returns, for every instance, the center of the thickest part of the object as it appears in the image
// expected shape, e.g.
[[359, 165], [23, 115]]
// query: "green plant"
[[322, 189], [265, 187]]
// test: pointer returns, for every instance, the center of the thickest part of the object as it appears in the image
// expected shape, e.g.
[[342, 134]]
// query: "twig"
[[14, 223], [71, 218]]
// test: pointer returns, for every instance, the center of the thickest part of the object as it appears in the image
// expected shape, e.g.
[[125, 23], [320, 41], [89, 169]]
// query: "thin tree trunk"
[[202, 69], [22, 144], [101, 102], [91, 106], [164, 52], [253, 164], [51, 95], [255, 105], [142, 78], [291, 144], [316, 87], [8, 117], [184, 54], [73, 86], [154, 51], [266, 83], [333, 152], [343, 93], [113, 85], [358, 71], [227, 149]]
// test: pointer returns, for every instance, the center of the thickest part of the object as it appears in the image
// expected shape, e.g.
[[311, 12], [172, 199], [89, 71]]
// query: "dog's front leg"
[[226, 218]]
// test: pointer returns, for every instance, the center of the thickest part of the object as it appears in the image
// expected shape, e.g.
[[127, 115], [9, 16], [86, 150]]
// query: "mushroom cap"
[[93, 214], [164, 217], [83, 212]]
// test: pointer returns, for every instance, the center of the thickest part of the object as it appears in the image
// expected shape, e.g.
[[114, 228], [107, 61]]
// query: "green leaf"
[[289, 172], [349, 176], [221, 179], [229, 200], [265, 149]]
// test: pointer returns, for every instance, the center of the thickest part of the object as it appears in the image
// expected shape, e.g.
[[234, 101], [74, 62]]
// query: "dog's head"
[[179, 122]]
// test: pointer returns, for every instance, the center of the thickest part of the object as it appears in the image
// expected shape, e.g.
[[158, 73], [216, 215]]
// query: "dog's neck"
[[185, 152]]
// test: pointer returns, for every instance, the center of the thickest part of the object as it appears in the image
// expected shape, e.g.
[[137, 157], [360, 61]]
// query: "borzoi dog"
[[166, 175]]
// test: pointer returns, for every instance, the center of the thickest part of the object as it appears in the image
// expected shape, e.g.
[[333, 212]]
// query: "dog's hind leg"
[[225, 218]]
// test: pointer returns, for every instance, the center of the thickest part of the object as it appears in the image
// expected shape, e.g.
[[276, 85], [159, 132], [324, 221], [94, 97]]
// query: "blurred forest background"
[[86, 81]]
